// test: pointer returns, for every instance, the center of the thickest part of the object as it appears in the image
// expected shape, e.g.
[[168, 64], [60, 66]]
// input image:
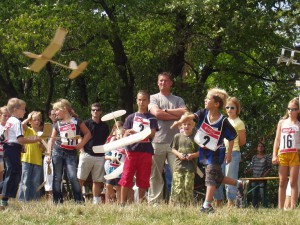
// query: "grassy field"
[[44, 212]]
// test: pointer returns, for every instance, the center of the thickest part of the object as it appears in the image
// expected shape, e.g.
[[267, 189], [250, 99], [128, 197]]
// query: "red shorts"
[[138, 164]]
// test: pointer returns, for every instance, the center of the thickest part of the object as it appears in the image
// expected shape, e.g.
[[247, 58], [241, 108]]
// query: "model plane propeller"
[[46, 56]]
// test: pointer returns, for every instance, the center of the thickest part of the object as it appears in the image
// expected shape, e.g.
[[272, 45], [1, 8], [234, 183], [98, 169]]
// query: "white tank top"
[[290, 137]]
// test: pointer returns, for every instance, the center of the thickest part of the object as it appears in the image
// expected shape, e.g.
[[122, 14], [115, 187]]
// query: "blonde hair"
[[294, 101], [237, 104], [117, 124], [219, 95], [64, 104], [14, 103], [3, 110], [35, 113]]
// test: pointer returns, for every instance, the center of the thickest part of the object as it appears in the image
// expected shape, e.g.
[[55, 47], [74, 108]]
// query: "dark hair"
[[143, 92], [263, 144], [96, 104], [49, 112]]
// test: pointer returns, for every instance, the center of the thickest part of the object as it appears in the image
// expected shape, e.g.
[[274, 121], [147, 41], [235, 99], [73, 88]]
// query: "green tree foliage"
[[203, 43]]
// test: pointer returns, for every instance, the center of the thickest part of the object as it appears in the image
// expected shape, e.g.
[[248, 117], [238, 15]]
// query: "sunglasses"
[[96, 110], [292, 109], [230, 107]]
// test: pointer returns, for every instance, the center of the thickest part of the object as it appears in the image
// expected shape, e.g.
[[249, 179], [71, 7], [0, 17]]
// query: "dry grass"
[[44, 212]]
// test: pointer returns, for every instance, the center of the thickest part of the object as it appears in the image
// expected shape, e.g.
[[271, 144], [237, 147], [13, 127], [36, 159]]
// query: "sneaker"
[[207, 210], [242, 189], [97, 200]]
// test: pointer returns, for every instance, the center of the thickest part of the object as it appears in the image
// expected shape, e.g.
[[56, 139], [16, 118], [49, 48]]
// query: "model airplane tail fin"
[[79, 70], [73, 65]]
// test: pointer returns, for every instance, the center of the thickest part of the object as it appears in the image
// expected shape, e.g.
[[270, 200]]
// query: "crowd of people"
[[179, 140]]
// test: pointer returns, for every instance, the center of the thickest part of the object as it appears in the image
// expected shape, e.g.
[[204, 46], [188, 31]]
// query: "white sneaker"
[[97, 200]]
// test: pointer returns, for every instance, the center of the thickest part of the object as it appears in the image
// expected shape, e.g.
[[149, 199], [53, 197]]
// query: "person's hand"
[[48, 159], [38, 139], [228, 158], [29, 117], [189, 157], [129, 132], [79, 146], [275, 160], [182, 156], [175, 124]]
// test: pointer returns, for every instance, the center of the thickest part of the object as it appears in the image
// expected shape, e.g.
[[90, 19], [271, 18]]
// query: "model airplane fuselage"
[[46, 56]]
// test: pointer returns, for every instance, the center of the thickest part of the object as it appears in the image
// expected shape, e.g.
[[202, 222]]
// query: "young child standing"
[[139, 155], [186, 151], [285, 152], [31, 160], [65, 146], [12, 149], [114, 157], [213, 127]]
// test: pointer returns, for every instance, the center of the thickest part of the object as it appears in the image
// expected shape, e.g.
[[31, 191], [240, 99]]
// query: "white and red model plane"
[[46, 56]]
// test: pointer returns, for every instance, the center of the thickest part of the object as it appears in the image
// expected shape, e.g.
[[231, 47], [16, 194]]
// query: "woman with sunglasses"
[[231, 169], [285, 152]]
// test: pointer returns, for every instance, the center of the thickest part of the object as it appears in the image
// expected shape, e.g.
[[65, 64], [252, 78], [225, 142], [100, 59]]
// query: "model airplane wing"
[[122, 142], [49, 52], [114, 174]]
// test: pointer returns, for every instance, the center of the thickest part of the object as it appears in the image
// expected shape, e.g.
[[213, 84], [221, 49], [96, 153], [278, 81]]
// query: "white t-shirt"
[[14, 130]]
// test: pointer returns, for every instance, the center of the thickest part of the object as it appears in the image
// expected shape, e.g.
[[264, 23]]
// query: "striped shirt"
[[260, 165]]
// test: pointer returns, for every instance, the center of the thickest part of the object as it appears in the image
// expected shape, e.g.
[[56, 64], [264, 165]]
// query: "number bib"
[[207, 137], [67, 132], [287, 139], [140, 124], [120, 154]]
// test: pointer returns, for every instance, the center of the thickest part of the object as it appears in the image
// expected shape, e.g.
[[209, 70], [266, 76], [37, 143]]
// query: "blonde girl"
[[31, 160], [114, 159], [233, 109], [65, 145], [285, 152]]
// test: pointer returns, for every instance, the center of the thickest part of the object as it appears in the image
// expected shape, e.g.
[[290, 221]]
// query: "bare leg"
[[118, 193], [218, 203], [97, 189], [287, 203], [294, 170], [142, 192], [210, 191], [230, 181], [124, 194], [283, 180], [110, 194]]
